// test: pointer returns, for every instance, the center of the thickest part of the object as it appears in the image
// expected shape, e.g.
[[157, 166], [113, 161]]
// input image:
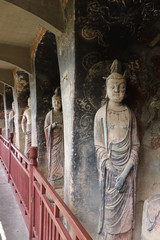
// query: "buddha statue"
[[26, 128], [117, 144], [53, 128]]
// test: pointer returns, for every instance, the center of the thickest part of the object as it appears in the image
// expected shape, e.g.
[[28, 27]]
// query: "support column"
[[8, 99], [82, 87], [5, 116]]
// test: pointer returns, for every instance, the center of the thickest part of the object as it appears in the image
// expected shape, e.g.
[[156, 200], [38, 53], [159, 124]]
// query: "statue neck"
[[115, 106]]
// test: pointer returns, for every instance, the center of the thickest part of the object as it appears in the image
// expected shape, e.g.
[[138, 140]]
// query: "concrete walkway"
[[12, 225]]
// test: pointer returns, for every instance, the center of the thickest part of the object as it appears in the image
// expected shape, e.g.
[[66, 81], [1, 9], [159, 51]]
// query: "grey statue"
[[117, 144], [53, 128]]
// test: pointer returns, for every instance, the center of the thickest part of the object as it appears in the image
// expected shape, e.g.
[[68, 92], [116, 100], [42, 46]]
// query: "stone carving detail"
[[151, 219], [103, 16], [53, 128], [90, 59], [117, 145], [26, 128], [88, 104]]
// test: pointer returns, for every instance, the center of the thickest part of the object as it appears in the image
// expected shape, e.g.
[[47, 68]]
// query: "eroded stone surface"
[[151, 219]]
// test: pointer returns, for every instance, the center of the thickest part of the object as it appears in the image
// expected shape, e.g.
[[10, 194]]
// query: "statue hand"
[[119, 182], [109, 166], [54, 125]]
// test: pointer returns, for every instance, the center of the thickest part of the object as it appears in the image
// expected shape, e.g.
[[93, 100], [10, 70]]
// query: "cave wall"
[[104, 31]]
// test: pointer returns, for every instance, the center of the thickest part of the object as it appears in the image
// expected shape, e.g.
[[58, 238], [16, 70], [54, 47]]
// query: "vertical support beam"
[[66, 58], [5, 115], [33, 163], [33, 94], [33, 85]]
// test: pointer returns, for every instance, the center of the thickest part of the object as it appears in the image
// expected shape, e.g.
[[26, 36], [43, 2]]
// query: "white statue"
[[26, 127], [11, 119]]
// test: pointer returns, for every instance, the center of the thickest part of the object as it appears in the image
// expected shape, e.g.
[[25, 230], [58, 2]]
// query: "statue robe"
[[27, 141], [116, 208], [54, 142]]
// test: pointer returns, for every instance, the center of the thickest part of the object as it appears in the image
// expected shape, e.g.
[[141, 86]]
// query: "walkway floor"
[[12, 225]]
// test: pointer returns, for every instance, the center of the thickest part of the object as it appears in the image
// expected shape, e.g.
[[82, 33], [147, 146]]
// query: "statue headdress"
[[116, 71], [57, 92]]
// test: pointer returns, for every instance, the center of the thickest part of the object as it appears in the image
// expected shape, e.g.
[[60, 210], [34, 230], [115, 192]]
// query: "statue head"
[[29, 102], [56, 100], [115, 84], [13, 106]]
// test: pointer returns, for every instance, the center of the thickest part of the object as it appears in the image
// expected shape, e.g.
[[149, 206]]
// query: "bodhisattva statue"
[[53, 128], [117, 145], [11, 119], [26, 128]]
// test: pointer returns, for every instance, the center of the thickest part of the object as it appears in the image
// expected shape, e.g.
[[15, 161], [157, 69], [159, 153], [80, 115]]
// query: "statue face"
[[116, 89], [56, 103], [13, 106]]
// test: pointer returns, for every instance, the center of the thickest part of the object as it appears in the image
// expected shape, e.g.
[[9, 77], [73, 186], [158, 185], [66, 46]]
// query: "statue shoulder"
[[49, 114], [101, 112]]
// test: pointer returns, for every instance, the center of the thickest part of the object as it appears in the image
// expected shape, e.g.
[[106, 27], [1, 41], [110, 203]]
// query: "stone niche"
[[47, 79]]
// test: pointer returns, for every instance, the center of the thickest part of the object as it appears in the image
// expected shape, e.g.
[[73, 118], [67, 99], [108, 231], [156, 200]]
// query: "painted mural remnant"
[[26, 127], [117, 144], [151, 219], [11, 123], [53, 128]]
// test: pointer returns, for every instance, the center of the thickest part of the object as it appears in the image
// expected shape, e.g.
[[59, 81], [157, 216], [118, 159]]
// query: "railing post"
[[9, 155], [33, 163]]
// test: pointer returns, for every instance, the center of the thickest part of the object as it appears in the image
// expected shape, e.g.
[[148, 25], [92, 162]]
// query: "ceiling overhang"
[[49, 13], [6, 77]]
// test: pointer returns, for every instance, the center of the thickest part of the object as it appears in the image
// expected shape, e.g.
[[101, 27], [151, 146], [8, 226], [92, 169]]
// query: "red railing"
[[46, 220]]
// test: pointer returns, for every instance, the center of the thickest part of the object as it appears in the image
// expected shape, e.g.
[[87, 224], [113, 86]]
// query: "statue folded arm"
[[135, 144]]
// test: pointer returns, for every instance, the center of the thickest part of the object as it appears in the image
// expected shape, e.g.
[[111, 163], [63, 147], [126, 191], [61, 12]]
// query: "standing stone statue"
[[11, 119], [26, 128], [117, 145], [53, 128]]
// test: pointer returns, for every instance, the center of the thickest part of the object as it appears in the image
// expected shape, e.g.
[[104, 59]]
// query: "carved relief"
[[90, 59], [88, 104], [133, 16]]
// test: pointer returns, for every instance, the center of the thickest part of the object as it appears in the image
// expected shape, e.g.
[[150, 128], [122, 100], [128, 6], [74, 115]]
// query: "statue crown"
[[116, 71]]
